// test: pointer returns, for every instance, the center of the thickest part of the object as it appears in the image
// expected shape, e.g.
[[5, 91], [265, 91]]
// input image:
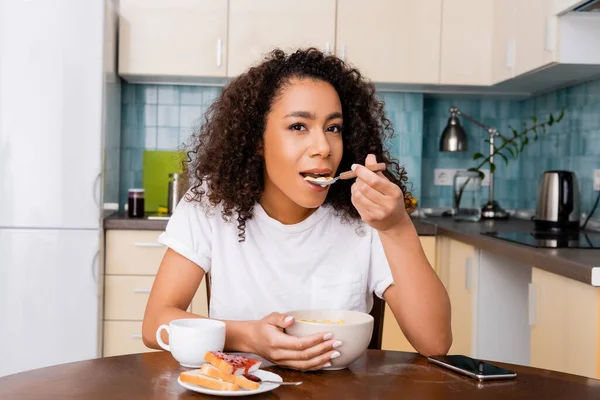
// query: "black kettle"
[[557, 207]]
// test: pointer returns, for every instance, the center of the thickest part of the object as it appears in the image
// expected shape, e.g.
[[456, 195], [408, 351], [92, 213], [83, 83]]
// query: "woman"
[[273, 241]]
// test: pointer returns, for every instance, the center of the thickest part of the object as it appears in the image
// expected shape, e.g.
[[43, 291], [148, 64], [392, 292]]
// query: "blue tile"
[[189, 116], [150, 138], [147, 94], [168, 95], [167, 138], [168, 116], [192, 95], [150, 115]]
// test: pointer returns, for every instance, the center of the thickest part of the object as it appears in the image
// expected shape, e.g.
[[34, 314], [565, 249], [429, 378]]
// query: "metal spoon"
[[347, 175], [255, 378]]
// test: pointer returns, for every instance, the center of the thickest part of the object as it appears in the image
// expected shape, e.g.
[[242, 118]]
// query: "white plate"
[[264, 387]]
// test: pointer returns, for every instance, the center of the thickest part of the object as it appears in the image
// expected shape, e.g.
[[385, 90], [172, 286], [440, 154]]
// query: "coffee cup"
[[191, 338]]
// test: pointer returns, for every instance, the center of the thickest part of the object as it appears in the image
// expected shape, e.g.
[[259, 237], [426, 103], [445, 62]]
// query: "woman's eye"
[[297, 127], [335, 129]]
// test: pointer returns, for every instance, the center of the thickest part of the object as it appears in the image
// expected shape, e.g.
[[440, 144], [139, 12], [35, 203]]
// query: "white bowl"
[[355, 333]]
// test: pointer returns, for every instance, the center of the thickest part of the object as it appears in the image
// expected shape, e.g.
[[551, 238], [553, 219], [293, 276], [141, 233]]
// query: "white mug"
[[191, 338]]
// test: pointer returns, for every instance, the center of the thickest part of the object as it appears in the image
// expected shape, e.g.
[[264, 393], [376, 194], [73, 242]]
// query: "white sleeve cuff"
[[382, 287], [180, 248]]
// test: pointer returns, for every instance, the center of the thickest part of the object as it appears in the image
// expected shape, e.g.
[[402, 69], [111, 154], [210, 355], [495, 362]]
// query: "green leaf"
[[486, 140], [526, 140], [551, 120], [534, 119], [492, 168], [514, 131], [561, 115], [512, 153], [481, 174], [477, 156], [503, 156]]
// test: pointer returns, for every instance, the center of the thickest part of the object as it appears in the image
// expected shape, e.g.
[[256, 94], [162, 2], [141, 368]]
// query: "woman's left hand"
[[379, 201]]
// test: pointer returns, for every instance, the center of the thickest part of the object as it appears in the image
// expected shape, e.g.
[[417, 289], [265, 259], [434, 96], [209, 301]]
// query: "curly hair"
[[226, 157]]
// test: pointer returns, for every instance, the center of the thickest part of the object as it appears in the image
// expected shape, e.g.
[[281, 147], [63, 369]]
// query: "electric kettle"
[[557, 207]]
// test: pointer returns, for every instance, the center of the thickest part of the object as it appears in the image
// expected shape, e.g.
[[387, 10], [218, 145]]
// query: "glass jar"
[[466, 195], [135, 203]]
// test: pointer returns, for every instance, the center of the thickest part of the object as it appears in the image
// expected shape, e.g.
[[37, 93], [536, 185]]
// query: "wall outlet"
[[597, 180], [445, 176]]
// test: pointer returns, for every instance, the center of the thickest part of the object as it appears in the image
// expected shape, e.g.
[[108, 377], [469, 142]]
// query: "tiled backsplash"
[[573, 144], [157, 117], [494, 113], [161, 117]]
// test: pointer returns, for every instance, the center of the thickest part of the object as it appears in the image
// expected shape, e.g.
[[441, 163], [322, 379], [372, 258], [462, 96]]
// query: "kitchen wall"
[[156, 117], [494, 113], [573, 144], [162, 117]]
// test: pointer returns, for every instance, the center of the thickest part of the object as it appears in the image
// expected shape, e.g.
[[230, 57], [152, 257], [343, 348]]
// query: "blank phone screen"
[[472, 365]]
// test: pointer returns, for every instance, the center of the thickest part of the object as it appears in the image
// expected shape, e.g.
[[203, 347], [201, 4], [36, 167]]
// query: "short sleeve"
[[188, 233], [380, 275]]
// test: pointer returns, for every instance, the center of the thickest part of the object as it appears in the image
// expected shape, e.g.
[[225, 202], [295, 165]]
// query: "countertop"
[[149, 223], [580, 264]]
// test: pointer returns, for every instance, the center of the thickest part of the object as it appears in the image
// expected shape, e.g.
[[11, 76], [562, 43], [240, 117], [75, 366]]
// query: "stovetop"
[[574, 240]]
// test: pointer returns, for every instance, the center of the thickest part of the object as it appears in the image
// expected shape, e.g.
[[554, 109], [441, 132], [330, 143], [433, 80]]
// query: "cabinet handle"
[[510, 53], [343, 55], [219, 52], [550, 33], [136, 336], [468, 273], [145, 290], [147, 244], [95, 267], [96, 189], [532, 302]]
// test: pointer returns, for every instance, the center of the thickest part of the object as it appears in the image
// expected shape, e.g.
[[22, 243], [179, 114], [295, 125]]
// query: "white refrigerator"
[[53, 85]]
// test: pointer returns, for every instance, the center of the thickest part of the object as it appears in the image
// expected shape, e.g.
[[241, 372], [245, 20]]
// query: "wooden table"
[[376, 375]]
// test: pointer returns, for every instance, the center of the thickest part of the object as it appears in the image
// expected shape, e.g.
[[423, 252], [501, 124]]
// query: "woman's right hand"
[[309, 353]]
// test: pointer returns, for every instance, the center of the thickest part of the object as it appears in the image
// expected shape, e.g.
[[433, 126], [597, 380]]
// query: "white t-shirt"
[[317, 263]]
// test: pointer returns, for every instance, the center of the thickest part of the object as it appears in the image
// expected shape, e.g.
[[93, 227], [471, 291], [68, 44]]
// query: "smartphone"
[[473, 368]]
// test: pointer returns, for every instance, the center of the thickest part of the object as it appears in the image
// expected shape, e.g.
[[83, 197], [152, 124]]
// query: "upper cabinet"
[[466, 42], [562, 6], [166, 38], [395, 41], [257, 27], [514, 47], [535, 34], [503, 40]]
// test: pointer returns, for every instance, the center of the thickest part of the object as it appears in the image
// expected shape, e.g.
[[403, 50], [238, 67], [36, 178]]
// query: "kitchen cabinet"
[[132, 259], [565, 324], [395, 41], [489, 302], [562, 6], [503, 40], [257, 27], [466, 42], [535, 34], [173, 39], [392, 337], [456, 267]]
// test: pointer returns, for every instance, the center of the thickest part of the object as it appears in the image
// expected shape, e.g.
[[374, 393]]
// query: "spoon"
[[255, 378], [346, 175]]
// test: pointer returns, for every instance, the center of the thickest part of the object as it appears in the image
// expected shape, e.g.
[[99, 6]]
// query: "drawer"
[[133, 252], [125, 297], [123, 337]]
